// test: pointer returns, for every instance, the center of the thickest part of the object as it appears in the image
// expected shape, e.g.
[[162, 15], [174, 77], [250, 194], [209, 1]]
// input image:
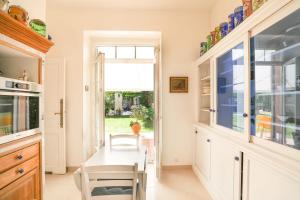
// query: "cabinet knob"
[[196, 132], [208, 140], [236, 158], [245, 115], [19, 157], [20, 171]]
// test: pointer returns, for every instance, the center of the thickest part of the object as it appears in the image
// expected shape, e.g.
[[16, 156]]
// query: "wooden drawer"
[[16, 172], [17, 157], [25, 188]]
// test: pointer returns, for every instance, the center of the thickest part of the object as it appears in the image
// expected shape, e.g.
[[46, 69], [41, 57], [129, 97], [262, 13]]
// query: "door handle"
[[61, 113]]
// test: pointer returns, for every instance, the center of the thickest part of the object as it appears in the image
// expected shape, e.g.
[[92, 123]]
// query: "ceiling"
[[178, 5]]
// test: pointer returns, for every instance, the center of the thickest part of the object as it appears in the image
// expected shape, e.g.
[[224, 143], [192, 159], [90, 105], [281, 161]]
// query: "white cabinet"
[[225, 169], [249, 108], [218, 164], [203, 153], [264, 180]]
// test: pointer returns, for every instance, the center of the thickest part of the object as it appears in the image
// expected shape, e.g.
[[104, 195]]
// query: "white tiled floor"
[[175, 184]]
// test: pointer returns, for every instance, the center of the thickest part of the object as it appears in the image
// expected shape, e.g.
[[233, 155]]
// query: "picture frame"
[[179, 85]]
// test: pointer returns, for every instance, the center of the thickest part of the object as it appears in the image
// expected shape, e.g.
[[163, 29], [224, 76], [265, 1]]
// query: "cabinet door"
[[264, 180], [230, 87], [202, 159], [225, 169], [25, 188], [275, 82]]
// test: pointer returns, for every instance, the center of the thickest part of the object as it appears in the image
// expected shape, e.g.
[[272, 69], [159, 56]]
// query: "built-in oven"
[[19, 109]]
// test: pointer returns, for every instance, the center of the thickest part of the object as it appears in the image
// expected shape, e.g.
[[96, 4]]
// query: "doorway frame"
[[158, 84]]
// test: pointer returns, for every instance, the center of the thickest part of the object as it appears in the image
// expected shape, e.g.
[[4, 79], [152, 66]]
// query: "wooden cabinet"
[[20, 171], [25, 188]]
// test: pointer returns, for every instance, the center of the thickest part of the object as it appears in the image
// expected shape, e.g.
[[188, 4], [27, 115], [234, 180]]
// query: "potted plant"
[[138, 112]]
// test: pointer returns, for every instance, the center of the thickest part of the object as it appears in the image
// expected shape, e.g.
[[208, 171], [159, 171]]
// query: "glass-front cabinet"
[[255, 83], [230, 86], [275, 82]]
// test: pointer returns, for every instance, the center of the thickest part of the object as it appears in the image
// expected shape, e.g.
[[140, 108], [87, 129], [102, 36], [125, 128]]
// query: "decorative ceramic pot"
[[217, 34], [224, 29], [247, 4], [203, 48], [136, 128], [18, 13], [238, 15], [209, 41], [213, 37], [231, 24], [4, 5], [38, 26], [256, 4]]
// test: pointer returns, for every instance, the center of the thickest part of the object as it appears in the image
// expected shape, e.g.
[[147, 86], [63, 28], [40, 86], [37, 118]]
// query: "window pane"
[[109, 51], [230, 83], [125, 52], [145, 52], [275, 82]]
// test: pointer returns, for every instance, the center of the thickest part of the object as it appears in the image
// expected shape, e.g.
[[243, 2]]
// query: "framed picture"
[[179, 85]]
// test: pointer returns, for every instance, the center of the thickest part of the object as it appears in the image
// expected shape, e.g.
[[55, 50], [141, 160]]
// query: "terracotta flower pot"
[[136, 128]]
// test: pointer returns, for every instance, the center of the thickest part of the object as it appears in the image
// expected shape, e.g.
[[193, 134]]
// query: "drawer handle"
[[19, 157], [20, 171]]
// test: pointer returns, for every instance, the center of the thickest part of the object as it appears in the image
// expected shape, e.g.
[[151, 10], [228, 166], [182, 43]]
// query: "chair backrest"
[[109, 176], [122, 145]]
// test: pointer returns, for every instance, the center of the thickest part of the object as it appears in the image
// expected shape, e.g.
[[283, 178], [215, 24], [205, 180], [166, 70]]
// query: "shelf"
[[285, 54], [256, 18], [205, 94], [231, 85], [17, 31], [278, 93], [205, 78]]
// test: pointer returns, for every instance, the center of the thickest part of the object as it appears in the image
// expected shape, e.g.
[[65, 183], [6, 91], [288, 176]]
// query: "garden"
[[129, 112]]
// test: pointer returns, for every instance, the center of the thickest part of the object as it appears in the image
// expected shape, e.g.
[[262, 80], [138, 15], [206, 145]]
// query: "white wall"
[[35, 8], [221, 10], [181, 36]]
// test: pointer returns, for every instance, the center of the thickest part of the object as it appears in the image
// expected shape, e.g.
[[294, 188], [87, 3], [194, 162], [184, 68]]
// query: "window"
[[128, 52], [125, 52], [144, 52], [109, 51]]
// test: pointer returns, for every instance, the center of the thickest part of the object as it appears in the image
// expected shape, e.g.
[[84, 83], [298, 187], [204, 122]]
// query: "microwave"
[[19, 109]]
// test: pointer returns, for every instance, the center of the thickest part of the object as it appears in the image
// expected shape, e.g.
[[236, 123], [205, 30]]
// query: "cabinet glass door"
[[275, 82], [230, 89]]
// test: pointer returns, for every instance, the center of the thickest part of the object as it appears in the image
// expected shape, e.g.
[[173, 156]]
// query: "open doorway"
[[129, 96]]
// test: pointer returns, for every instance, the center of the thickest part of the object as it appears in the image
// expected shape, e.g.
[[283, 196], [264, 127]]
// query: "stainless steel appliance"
[[19, 109]]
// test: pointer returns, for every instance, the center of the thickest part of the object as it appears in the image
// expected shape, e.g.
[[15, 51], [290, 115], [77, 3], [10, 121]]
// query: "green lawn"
[[121, 125]]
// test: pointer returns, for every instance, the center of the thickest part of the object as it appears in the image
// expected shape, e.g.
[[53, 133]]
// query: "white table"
[[106, 156]]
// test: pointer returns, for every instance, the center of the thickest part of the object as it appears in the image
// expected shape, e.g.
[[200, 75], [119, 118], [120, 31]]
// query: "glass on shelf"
[[230, 89], [275, 82]]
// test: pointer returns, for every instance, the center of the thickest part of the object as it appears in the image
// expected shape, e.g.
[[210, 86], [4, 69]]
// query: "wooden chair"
[[134, 138], [114, 182]]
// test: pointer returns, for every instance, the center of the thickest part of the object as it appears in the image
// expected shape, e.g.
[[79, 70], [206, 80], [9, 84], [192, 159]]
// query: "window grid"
[[135, 52]]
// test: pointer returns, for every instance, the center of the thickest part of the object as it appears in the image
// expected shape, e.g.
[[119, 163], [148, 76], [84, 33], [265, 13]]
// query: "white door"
[[158, 113], [54, 98], [99, 137]]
